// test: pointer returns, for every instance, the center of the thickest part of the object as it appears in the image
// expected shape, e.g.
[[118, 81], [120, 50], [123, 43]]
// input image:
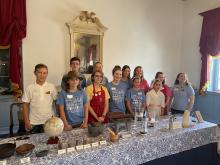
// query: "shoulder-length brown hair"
[[93, 74], [177, 81], [134, 73], [157, 75], [72, 75]]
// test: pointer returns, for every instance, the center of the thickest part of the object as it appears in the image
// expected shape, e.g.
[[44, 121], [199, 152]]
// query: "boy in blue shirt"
[[73, 103]]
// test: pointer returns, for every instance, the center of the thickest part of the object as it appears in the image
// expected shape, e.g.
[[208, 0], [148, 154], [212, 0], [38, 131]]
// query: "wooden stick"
[[111, 132]]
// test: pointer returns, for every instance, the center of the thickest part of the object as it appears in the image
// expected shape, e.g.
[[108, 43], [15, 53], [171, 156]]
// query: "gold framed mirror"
[[86, 39]]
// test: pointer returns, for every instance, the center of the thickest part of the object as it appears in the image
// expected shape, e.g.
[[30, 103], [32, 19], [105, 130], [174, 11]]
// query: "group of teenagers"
[[82, 101]]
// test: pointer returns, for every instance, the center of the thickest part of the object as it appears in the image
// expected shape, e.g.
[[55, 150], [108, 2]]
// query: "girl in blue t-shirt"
[[183, 94], [126, 78], [135, 97], [73, 103], [117, 91]]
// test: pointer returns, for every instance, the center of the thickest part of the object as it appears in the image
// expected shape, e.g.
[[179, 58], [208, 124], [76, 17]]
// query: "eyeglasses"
[[98, 76]]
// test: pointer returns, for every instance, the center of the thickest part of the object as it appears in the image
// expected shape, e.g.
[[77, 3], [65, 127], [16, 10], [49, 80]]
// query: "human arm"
[[86, 110], [147, 86], [54, 93], [106, 106], [89, 93], [191, 97], [102, 118], [61, 110], [147, 102], [129, 108], [191, 103], [26, 98], [167, 93], [25, 107], [171, 99], [67, 126], [54, 97], [128, 105], [85, 120], [162, 104], [92, 112], [167, 103], [128, 102]]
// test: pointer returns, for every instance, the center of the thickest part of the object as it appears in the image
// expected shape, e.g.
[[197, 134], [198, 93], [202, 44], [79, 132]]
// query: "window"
[[4, 69], [214, 84]]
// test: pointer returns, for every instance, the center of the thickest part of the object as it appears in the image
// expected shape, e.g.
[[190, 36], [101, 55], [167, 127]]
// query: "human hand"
[[67, 127], [28, 126], [83, 125], [101, 119]]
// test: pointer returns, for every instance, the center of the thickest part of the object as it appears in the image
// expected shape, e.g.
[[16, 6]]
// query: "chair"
[[21, 129]]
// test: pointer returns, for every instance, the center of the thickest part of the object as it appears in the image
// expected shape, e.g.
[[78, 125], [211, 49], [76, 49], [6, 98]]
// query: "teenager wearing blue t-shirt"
[[117, 91], [126, 78], [135, 97], [73, 103], [183, 94]]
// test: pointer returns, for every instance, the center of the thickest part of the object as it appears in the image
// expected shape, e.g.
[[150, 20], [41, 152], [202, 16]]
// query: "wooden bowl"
[[24, 149]]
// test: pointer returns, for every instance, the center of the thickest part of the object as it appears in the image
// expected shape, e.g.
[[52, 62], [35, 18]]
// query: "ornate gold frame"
[[86, 24]]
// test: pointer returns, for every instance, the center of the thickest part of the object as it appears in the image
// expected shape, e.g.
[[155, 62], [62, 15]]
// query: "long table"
[[157, 144]]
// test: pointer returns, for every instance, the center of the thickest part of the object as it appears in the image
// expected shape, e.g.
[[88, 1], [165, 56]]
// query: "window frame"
[[214, 83], [7, 51]]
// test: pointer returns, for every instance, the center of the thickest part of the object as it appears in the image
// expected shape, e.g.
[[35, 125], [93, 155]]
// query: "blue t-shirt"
[[181, 96], [73, 105], [136, 98], [128, 82], [117, 97]]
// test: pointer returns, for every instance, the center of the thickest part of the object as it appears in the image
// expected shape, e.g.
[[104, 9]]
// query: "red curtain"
[[12, 30], [209, 41]]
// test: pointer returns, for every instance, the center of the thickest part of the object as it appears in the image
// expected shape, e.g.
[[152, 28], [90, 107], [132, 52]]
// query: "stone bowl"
[[95, 129]]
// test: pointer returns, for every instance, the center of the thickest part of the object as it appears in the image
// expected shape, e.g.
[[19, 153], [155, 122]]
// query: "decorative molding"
[[87, 23]]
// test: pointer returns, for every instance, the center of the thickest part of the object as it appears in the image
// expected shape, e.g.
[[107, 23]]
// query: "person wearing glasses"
[[97, 67], [75, 66], [98, 97]]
